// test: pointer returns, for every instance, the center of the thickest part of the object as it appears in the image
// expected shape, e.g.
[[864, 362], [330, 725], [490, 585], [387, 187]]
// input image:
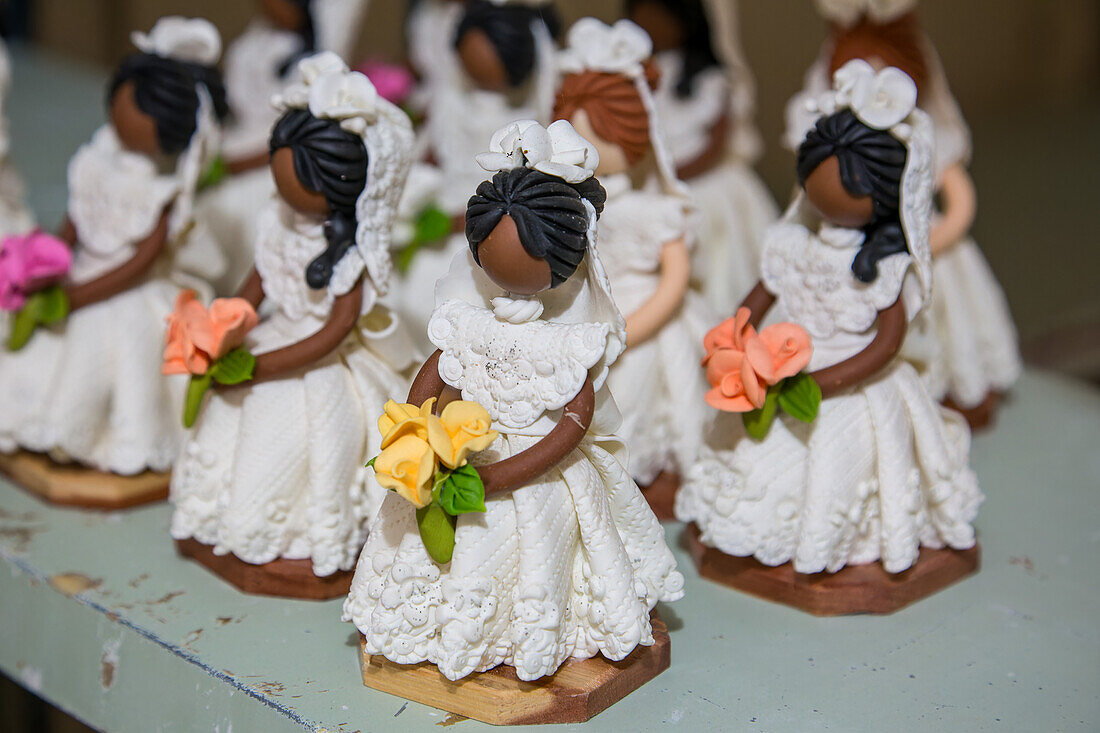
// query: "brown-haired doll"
[[965, 344], [645, 242]]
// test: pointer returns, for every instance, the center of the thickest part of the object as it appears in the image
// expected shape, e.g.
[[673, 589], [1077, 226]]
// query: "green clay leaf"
[[432, 225], [23, 324], [53, 305], [214, 173], [758, 422], [370, 463], [800, 397], [196, 389], [462, 492], [233, 368], [437, 531]]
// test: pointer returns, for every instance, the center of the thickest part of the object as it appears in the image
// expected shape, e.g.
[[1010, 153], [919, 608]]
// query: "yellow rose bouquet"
[[424, 459]]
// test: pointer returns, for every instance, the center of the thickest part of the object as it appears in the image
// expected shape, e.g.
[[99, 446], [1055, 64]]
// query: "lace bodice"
[[635, 226], [811, 276], [252, 78], [687, 121], [116, 198], [517, 371]]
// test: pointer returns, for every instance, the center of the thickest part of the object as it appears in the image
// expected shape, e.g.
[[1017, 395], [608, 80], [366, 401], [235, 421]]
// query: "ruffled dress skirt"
[[277, 470], [881, 472], [91, 390], [734, 208], [568, 566], [976, 339]]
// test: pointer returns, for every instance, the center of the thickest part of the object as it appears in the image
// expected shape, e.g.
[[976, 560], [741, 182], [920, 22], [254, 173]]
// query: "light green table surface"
[[159, 644]]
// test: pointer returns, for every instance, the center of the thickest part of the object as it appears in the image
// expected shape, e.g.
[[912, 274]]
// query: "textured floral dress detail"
[[571, 564], [276, 469], [659, 381], [733, 206], [91, 390], [881, 472]]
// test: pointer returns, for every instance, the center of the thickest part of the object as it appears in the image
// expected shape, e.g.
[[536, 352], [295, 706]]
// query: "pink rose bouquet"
[[31, 265]]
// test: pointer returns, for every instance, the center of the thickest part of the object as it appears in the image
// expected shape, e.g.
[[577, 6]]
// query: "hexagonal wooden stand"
[[854, 589], [576, 692], [661, 495], [283, 578], [74, 485]]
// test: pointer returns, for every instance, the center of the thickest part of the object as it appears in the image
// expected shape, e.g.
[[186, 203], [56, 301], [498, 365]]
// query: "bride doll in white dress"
[[965, 342], [274, 467], [705, 101], [883, 469], [645, 243], [482, 64], [260, 63], [89, 389], [567, 560]]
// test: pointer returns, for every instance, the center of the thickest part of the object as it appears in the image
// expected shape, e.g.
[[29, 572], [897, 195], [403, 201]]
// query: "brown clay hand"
[[427, 383], [526, 466], [960, 204], [892, 325], [758, 301], [672, 285], [712, 155], [67, 231], [126, 275], [252, 289]]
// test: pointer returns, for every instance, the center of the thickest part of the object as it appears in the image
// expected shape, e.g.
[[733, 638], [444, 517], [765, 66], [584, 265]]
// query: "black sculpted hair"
[[308, 35], [165, 89], [330, 161], [872, 163], [697, 49], [549, 213], [508, 28]]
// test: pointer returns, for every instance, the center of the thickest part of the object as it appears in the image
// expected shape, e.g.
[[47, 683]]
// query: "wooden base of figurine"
[[982, 415], [661, 495], [71, 484], [576, 692], [283, 578], [854, 589]]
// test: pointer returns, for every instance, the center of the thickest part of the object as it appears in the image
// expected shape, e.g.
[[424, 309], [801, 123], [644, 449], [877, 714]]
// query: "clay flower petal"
[[754, 390], [468, 429], [761, 359], [230, 320], [395, 414], [790, 347], [187, 323], [408, 467], [28, 262], [723, 362], [716, 399], [393, 83]]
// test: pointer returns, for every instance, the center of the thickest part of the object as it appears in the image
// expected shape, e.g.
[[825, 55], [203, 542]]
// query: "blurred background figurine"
[[259, 64], [705, 101], [15, 217], [88, 387], [965, 343]]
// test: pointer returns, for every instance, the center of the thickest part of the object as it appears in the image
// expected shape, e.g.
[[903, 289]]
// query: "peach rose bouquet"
[[206, 344], [758, 374], [424, 459]]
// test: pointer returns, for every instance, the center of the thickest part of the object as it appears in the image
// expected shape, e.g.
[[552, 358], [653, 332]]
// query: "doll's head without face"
[[852, 175], [496, 43], [320, 170], [607, 110], [677, 25], [153, 102], [898, 43], [528, 230]]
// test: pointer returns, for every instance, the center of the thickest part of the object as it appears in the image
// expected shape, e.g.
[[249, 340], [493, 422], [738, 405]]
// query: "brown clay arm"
[[252, 289], [653, 314], [247, 163], [278, 363], [427, 383], [522, 468], [865, 364], [960, 204], [67, 231], [712, 154], [758, 301], [126, 275]]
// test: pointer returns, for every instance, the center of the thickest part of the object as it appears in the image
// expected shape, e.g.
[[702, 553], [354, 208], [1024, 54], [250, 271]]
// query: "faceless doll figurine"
[[705, 100], [882, 471], [965, 343], [259, 64], [274, 468], [644, 243], [567, 560], [88, 388], [482, 64]]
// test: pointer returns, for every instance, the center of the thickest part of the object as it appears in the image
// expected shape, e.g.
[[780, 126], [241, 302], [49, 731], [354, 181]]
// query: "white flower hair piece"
[[881, 100], [557, 150], [329, 90], [593, 45], [191, 40], [847, 12]]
